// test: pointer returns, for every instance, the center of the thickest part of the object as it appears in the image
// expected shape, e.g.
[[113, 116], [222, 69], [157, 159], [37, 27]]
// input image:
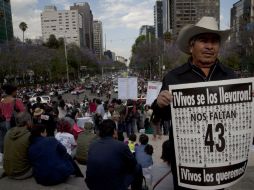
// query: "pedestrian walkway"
[[74, 183]]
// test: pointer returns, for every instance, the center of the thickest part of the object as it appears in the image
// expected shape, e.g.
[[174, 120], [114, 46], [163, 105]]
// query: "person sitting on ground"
[[16, 143], [84, 140], [132, 143], [161, 174], [144, 152], [65, 137], [110, 164], [50, 161]]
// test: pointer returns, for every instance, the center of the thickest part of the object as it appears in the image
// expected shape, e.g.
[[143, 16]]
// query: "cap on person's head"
[[203, 26], [38, 111], [9, 89]]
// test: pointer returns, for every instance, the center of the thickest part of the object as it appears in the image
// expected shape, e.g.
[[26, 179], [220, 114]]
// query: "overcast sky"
[[121, 18]]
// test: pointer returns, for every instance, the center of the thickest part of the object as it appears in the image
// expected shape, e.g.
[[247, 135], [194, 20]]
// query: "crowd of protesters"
[[44, 140]]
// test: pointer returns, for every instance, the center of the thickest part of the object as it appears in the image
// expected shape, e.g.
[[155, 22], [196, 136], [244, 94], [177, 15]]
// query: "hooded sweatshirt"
[[16, 144], [83, 143]]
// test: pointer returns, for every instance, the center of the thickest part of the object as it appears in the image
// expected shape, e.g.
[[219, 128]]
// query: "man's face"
[[205, 49]]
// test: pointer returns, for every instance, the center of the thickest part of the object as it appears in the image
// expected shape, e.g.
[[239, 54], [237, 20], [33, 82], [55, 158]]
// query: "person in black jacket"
[[202, 42], [110, 163]]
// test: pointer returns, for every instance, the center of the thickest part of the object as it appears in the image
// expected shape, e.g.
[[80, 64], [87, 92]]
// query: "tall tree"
[[23, 26], [52, 42]]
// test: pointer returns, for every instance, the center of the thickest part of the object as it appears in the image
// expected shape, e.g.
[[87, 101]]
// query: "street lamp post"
[[66, 61]]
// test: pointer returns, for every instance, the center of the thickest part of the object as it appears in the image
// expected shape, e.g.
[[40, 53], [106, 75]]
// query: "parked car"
[[78, 90], [89, 87], [44, 99], [61, 91], [52, 93]]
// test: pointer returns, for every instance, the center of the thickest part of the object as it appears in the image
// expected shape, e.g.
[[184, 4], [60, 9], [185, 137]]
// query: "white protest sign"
[[212, 126], [153, 89], [127, 88]]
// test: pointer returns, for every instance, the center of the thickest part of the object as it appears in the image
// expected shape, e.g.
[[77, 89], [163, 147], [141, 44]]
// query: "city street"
[[70, 98]]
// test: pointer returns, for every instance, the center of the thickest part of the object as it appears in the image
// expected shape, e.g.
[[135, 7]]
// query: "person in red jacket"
[[9, 105]]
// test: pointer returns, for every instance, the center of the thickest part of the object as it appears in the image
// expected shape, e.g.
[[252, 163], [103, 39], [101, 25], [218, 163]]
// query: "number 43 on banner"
[[209, 141]]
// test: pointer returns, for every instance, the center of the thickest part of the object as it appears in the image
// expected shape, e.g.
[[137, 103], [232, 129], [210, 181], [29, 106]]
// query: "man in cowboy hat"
[[202, 42]]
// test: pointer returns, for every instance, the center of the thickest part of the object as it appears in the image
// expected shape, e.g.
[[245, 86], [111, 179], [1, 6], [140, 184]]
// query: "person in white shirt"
[[109, 113], [65, 137], [100, 108], [62, 109]]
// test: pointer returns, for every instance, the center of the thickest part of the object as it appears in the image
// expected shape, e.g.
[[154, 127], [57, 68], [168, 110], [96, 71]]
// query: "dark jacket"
[[187, 73], [109, 162], [50, 161]]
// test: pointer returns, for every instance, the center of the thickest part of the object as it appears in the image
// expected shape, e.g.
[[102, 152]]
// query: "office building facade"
[[167, 10], [87, 22], [146, 30], [63, 24], [190, 11], [110, 54], [98, 38], [121, 59], [158, 19], [241, 20], [6, 28]]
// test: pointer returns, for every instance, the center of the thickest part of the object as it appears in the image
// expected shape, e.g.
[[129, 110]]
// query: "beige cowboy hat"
[[204, 25], [38, 111]]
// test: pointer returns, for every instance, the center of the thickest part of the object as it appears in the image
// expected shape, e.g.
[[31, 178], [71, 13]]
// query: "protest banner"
[[153, 89], [212, 127], [127, 88]]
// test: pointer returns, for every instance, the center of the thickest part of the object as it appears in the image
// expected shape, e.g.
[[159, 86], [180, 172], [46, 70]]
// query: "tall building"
[[6, 29], [87, 21], [121, 59], [190, 11], [146, 29], [110, 54], [242, 19], [167, 10], [158, 19], [98, 38], [63, 24]]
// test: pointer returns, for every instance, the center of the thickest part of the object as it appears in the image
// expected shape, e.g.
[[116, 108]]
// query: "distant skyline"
[[121, 19]]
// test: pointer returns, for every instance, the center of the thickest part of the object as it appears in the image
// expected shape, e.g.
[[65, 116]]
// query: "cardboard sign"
[[127, 88], [153, 89]]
